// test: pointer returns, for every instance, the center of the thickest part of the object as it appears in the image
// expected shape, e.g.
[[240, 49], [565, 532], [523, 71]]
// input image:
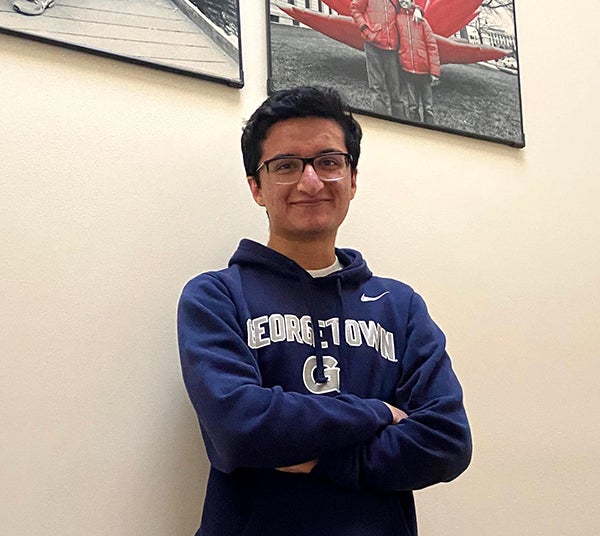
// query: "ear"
[[353, 183], [256, 191]]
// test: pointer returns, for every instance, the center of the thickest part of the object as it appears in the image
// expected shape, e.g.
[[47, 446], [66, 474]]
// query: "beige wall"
[[118, 183]]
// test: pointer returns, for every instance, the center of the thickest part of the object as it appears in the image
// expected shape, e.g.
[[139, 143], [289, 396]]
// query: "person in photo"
[[420, 61], [376, 20]]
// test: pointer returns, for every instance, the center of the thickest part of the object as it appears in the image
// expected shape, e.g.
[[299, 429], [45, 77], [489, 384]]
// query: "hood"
[[253, 254]]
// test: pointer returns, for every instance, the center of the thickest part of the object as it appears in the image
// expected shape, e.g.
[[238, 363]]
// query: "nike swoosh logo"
[[365, 298]]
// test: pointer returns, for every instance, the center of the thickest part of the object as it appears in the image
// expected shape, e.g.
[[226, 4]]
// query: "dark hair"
[[298, 102]]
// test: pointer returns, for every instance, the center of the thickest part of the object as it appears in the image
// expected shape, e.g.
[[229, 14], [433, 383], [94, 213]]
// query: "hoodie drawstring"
[[320, 370]]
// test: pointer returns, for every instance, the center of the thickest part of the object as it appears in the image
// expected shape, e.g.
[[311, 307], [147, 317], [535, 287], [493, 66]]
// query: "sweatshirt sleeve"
[[433, 444], [243, 423]]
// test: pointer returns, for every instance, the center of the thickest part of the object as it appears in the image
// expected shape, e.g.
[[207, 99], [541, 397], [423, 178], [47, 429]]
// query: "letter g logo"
[[332, 373]]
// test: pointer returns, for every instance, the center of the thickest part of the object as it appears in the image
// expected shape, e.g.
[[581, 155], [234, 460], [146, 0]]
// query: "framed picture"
[[449, 65], [194, 37]]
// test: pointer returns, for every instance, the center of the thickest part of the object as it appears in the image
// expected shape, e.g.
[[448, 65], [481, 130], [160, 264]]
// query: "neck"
[[310, 254]]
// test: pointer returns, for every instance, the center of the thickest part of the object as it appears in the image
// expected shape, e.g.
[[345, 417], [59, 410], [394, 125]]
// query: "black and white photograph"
[[449, 65], [195, 37]]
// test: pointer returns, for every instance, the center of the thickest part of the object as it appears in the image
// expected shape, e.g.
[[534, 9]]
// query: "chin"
[[310, 228], [317, 225], [315, 230]]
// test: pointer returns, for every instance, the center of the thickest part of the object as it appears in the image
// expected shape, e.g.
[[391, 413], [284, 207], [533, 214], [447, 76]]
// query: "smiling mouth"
[[310, 202]]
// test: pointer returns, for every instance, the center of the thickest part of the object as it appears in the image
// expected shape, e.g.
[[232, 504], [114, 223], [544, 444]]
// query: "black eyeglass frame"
[[309, 160]]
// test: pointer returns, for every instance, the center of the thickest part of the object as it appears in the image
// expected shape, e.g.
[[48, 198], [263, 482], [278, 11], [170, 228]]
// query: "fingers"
[[397, 413], [305, 467]]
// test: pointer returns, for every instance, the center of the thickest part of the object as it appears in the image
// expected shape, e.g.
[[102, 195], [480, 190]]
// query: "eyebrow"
[[291, 155]]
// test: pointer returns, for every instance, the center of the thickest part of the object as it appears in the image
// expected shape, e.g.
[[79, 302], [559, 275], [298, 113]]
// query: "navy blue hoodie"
[[283, 368]]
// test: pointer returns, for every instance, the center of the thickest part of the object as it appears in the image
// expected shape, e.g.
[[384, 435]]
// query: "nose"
[[309, 182]]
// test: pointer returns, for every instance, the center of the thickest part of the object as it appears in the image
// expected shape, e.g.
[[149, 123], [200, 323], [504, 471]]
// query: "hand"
[[417, 14], [435, 80], [369, 35], [397, 413], [305, 467], [370, 32]]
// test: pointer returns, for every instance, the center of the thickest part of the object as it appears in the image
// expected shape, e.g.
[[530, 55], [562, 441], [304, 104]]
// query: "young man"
[[420, 60], [324, 394]]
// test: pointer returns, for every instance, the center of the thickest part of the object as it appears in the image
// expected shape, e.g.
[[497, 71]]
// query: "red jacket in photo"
[[377, 21], [418, 49]]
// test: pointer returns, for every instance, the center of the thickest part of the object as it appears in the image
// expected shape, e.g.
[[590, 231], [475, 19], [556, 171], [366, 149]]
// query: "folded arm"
[[433, 444], [243, 423]]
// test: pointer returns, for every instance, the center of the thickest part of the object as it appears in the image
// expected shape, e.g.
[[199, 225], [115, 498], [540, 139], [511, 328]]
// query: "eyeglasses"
[[329, 167]]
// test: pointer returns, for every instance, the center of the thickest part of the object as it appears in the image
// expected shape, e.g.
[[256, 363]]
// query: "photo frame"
[[478, 94], [198, 38]]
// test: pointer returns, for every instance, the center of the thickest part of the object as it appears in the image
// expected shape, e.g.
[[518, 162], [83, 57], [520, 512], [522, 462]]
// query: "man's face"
[[309, 209], [406, 4]]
